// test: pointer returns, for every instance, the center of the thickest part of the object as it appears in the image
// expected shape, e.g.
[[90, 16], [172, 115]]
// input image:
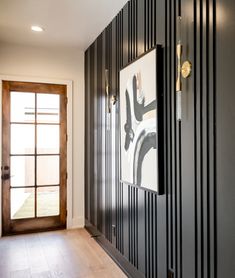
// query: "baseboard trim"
[[120, 260], [77, 223]]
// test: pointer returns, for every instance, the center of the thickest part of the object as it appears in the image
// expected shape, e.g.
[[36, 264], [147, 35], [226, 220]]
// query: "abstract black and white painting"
[[138, 106]]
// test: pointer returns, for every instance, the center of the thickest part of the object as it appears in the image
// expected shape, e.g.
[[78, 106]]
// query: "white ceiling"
[[67, 23]]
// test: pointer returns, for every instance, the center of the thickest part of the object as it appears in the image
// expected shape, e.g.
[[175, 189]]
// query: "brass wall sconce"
[[183, 70], [111, 99]]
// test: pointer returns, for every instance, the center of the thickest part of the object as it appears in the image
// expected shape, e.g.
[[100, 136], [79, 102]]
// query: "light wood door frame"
[[43, 223]]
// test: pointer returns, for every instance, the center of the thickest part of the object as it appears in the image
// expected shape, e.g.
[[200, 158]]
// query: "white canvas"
[[138, 122]]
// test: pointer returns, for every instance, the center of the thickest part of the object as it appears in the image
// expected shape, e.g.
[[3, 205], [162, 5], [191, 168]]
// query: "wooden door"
[[34, 157]]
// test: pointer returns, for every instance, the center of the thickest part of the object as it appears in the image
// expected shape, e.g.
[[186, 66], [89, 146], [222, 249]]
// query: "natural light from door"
[[34, 155]]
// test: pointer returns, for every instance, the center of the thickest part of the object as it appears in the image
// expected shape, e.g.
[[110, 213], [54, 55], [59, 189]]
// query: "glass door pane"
[[48, 203], [22, 107], [22, 139], [48, 170], [48, 139], [22, 203], [22, 171], [48, 108]]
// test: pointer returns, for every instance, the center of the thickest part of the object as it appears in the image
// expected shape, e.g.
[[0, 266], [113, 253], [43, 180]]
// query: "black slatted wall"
[[175, 232]]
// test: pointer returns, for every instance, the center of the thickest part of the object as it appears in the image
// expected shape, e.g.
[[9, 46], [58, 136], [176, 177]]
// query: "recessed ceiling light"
[[37, 28]]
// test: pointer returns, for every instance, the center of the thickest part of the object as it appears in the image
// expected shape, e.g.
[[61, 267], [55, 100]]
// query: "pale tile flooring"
[[60, 254]]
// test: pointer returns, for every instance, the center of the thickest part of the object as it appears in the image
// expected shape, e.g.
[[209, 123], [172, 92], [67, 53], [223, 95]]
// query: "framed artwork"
[[139, 113]]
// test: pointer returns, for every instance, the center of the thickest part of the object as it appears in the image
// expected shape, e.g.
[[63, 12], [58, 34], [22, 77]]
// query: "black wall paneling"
[[156, 235]]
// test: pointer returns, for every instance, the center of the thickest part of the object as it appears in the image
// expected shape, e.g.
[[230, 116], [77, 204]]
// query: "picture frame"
[[141, 122]]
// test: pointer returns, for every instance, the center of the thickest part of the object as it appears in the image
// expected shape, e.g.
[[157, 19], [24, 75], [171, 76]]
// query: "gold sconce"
[[111, 99], [183, 70]]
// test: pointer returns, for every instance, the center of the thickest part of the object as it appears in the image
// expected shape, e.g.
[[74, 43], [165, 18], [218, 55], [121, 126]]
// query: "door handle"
[[5, 176], [5, 173]]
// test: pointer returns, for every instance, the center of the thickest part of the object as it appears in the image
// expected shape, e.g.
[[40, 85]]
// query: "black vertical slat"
[[133, 225], [151, 11], [140, 36], [195, 69], [91, 160], [99, 134], [87, 204], [125, 200], [213, 142], [141, 226], [104, 176], [125, 35], [146, 234], [117, 218], [106, 142], [171, 134], [204, 136], [132, 234], [122, 38], [95, 148], [155, 232], [116, 55], [136, 27], [199, 239], [87, 166], [151, 247], [208, 201], [180, 201], [122, 229], [108, 187], [118, 65], [148, 18], [187, 151], [172, 65], [115, 126], [145, 25], [136, 228], [129, 31], [201, 141], [129, 224]]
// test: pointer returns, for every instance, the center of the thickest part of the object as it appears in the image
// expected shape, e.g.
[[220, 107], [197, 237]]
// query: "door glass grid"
[[34, 155]]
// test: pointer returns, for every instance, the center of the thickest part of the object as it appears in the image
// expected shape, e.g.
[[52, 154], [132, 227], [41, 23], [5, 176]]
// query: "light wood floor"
[[61, 254]]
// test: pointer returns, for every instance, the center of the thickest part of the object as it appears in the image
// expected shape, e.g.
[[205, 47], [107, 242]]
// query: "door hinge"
[[67, 137], [66, 100], [170, 274], [66, 175], [66, 213]]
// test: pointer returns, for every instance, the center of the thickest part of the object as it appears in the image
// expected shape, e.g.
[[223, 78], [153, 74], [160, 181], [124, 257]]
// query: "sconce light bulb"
[[179, 105]]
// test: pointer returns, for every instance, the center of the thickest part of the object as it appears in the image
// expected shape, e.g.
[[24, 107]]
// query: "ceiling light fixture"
[[37, 28]]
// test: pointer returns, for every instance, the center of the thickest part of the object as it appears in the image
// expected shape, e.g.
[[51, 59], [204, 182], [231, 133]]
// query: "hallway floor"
[[60, 254]]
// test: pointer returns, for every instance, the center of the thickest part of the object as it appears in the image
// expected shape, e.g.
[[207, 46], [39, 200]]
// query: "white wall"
[[65, 64]]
